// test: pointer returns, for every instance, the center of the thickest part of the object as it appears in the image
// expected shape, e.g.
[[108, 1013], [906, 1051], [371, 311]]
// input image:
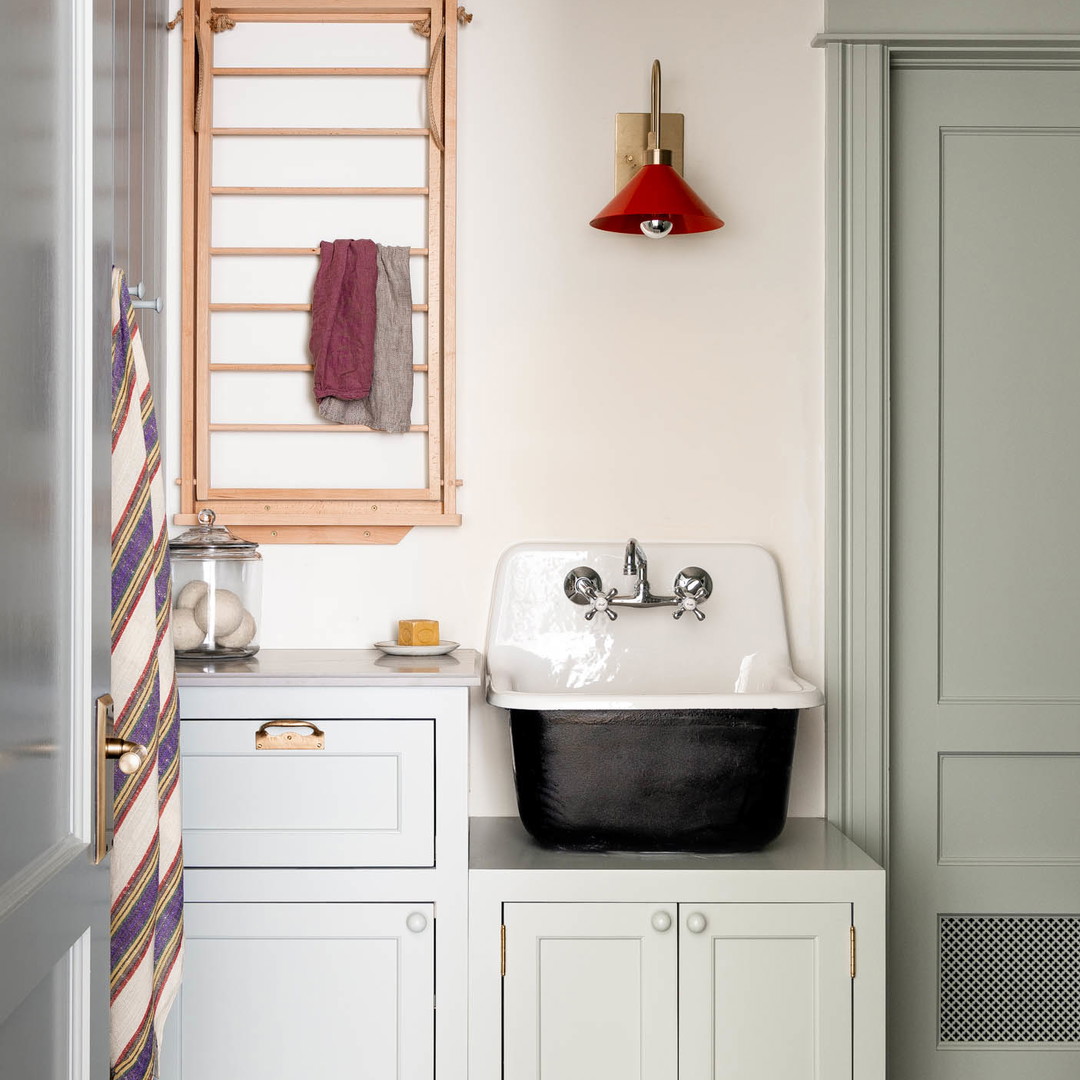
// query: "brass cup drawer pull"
[[290, 740]]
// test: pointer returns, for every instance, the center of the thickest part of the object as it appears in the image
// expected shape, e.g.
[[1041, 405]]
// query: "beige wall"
[[609, 385]]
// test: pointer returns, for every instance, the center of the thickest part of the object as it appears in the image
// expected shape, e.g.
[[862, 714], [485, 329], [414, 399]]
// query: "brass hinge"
[[852, 938], [502, 949]]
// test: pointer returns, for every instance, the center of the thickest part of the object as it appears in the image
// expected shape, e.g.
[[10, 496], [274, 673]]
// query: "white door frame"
[[857, 397]]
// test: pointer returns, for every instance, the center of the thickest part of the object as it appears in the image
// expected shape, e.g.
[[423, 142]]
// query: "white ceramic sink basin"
[[543, 654]]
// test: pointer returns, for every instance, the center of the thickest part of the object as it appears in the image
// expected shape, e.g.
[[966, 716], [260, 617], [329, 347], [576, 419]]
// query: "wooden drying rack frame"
[[316, 516]]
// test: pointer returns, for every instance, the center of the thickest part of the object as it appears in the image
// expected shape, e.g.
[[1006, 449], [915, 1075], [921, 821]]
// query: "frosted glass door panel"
[[307, 101], [283, 991], [765, 991], [336, 459], [321, 45], [304, 220], [589, 993], [268, 279], [370, 161], [278, 337]]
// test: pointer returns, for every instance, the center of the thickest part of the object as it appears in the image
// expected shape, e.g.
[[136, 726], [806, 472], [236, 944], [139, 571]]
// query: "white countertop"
[[334, 667]]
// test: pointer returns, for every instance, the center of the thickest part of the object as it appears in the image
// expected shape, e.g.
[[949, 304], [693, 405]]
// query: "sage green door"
[[54, 535], [985, 588]]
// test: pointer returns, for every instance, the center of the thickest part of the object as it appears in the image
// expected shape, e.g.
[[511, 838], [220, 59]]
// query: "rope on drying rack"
[[423, 27], [218, 23]]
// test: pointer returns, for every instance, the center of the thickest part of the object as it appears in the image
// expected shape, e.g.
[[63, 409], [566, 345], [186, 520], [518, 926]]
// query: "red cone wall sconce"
[[656, 201]]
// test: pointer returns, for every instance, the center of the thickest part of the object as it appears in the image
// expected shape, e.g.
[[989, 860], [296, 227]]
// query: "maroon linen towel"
[[343, 319]]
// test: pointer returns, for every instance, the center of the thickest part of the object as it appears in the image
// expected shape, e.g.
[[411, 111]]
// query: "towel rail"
[[279, 307], [283, 367], [324, 16], [284, 251], [321, 428], [318, 191], [209, 190], [289, 72], [338, 131]]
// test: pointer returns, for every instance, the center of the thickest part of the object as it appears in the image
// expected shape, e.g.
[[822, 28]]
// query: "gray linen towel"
[[389, 406]]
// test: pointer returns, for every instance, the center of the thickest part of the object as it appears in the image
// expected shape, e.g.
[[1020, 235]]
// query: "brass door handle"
[[128, 756], [107, 747]]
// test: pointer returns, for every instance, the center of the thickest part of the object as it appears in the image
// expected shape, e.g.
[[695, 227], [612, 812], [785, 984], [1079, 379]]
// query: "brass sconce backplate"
[[632, 138]]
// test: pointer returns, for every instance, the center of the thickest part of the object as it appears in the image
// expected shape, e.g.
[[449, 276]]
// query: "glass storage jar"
[[217, 592]]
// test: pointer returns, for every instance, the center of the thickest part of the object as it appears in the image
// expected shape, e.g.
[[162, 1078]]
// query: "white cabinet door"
[[764, 992], [590, 992], [281, 991]]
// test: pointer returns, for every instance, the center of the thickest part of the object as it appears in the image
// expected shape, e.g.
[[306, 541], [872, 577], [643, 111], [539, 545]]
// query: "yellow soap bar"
[[418, 632]]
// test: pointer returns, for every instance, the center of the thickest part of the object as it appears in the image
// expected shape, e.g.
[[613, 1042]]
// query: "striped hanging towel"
[[147, 864]]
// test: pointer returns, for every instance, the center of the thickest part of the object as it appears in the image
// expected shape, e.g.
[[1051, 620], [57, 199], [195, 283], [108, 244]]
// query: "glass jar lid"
[[206, 536]]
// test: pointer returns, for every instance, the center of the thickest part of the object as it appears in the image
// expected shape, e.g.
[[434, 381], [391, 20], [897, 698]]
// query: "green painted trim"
[[952, 42], [857, 440], [857, 409]]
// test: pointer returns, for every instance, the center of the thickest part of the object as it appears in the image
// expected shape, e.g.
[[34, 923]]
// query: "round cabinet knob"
[[696, 922], [661, 921], [417, 922]]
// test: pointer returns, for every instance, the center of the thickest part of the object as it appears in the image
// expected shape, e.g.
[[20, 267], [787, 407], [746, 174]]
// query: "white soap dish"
[[392, 648]]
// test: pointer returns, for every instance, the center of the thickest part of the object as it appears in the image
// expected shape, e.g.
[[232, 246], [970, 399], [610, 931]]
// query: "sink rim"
[[809, 697]]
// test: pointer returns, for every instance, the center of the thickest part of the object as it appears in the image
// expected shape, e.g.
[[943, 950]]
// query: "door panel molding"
[[857, 435]]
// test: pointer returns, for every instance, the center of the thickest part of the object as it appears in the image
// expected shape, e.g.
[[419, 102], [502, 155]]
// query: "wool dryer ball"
[[191, 594], [241, 636], [227, 615], [185, 631]]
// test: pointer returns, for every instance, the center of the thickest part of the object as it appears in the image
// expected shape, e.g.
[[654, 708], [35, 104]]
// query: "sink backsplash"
[[541, 641]]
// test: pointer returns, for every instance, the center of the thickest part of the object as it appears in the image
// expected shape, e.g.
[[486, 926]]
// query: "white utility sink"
[[542, 653]]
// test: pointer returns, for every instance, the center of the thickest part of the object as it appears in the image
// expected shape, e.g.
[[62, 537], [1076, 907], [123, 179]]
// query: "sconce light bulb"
[[656, 228]]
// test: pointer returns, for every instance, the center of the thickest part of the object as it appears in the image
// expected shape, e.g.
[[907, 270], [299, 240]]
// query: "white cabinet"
[[765, 966], [279, 991], [677, 991], [319, 863], [765, 991], [590, 991]]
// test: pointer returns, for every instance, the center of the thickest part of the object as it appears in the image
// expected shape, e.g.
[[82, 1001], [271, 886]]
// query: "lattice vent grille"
[[1009, 979]]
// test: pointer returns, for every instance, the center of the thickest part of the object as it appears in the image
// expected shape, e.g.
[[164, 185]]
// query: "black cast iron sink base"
[[701, 780]]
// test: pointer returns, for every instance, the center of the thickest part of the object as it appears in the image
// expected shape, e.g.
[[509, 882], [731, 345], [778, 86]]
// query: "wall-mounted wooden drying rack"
[[309, 121]]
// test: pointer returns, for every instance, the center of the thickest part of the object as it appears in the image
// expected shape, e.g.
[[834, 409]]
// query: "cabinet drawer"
[[366, 798], [280, 991]]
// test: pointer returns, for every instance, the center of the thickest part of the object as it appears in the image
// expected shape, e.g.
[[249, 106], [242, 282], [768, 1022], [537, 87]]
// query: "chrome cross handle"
[[583, 586], [601, 602], [688, 603], [693, 586]]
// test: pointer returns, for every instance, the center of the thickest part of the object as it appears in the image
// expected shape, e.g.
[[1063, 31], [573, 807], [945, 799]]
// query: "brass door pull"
[[128, 756], [289, 740]]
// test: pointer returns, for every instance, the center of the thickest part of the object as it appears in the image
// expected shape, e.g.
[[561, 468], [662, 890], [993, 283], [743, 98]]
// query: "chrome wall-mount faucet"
[[692, 587]]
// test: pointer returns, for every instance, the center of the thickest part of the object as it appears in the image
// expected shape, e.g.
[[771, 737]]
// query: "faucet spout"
[[634, 561]]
